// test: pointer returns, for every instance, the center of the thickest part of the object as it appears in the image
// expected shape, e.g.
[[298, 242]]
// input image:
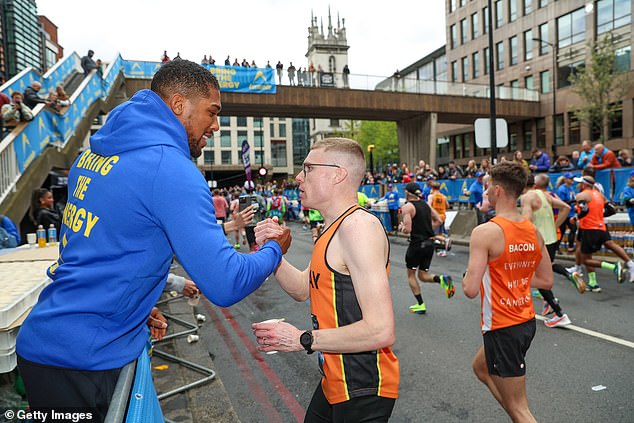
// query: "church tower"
[[328, 49]]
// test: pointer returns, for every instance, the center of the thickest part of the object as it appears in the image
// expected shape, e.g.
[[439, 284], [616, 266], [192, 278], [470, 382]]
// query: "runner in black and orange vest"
[[347, 284], [507, 256]]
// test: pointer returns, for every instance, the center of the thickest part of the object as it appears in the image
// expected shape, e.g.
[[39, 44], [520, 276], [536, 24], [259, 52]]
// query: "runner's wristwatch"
[[306, 339]]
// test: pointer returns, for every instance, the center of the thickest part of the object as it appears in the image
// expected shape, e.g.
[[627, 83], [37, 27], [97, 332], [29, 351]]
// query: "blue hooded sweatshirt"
[[135, 200]]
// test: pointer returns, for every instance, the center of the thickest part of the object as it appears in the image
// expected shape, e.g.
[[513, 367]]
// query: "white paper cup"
[[273, 321], [31, 239], [201, 318], [193, 301], [192, 338]]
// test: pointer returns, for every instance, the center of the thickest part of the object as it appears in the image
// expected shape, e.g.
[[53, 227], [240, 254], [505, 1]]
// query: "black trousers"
[[68, 390]]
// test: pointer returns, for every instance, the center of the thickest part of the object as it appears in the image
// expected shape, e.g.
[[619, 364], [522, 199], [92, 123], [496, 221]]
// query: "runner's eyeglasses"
[[306, 167]]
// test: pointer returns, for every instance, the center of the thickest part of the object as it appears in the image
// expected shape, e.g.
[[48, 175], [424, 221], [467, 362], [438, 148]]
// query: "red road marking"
[[288, 398], [258, 393]]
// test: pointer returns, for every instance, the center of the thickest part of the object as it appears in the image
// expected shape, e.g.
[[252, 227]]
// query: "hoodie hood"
[[122, 131]]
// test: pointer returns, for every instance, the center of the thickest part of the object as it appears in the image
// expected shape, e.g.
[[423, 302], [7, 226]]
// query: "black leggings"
[[68, 390], [573, 231], [548, 295]]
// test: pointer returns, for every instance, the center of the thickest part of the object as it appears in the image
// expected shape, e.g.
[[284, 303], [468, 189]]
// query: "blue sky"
[[382, 35]]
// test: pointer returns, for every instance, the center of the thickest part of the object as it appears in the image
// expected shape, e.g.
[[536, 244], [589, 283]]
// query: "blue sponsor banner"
[[139, 69], [111, 74], [22, 82], [244, 80], [62, 70], [371, 191], [621, 177], [603, 177]]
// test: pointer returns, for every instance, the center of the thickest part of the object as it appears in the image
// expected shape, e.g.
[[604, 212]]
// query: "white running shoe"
[[558, 321]]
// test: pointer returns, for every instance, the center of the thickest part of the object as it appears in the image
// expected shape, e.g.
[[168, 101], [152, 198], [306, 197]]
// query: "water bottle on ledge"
[[41, 236], [52, 235]]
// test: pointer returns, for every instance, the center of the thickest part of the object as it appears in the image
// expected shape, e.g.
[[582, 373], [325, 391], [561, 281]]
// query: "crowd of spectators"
[[597, 157], [307, 76]]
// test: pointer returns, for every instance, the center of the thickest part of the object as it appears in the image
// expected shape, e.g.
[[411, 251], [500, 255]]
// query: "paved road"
[[435, 352]]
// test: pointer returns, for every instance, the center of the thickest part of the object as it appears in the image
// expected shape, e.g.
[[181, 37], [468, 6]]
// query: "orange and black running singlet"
[[594, 219], [505, 291], [333, 303]]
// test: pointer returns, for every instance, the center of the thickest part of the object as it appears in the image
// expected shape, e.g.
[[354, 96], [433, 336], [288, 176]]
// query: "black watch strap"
[[306, 339]]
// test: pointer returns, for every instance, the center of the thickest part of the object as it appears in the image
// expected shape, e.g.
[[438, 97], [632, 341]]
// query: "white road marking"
[[593, 333]]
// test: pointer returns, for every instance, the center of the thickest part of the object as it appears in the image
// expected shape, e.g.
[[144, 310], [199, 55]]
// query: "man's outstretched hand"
[[270, 230]]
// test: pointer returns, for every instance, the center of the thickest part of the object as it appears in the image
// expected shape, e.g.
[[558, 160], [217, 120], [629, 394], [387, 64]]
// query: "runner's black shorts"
[[419, 255], [505, 349], [314, 223], [369, 408], [592, 240]]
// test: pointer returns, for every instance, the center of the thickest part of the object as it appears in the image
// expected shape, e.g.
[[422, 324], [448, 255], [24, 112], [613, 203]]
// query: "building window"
[[457, 147], [258, 139], [485, 20], [225, 157], [528, 7], [571, 28], [545, 81], [282, 130], [453, 36], [616, 124], [499, 47], [475, 59], [512, 10], [208, 157], [515, 88], [499, 14], [559, 129], [210, 141], [241, 121], [513, 47], [225, 121], [543, 3], [465, 69], [565, 72], [528, 82], [528, 135], [541, 133], [278, 153], [528, 45], [463, 2], [225, 139], [257, 122], [513, 138], [454, 71], [486, 60], [574, 135], [463, 32], [474, 26], [452, 6], [466, 146], [242, 135], [613, 14], [623, 59], [258, 157], [543, 35], [272, 129]]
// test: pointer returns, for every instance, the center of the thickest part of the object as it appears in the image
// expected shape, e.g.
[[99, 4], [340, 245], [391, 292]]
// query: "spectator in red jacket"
[[603, 158]]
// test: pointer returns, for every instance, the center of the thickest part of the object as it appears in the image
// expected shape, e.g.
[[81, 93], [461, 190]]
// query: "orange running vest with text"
[[439, 203], [333, 304], [505, 291], [594, 219]]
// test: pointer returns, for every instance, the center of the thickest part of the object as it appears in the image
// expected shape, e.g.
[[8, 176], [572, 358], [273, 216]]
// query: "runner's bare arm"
[[407, 213], [564, 210], [527, 205], [479, 253], [435, 219]]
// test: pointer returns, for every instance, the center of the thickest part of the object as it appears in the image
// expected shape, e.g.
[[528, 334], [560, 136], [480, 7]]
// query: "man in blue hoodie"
[[136, 199]]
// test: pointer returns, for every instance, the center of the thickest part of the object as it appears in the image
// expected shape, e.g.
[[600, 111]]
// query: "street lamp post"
[[553, 48]]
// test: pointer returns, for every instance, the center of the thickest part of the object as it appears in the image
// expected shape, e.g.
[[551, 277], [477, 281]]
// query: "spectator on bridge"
[[165, 58], [212, 61], [320, 71], [562, 165], [253, 65], [453, 170], [227, 61], [291, 74], [236, 63], [4, 99], [518, 158], [16, 111], [31, 98], [279, 68], [311, 71], [585, 156], [471, 169], [62, 98], [268, 64], [346, 74], [87, 63], [396, 79], [540, 161], [603, 158], [204, 61], [625, 157], [245, 64]]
